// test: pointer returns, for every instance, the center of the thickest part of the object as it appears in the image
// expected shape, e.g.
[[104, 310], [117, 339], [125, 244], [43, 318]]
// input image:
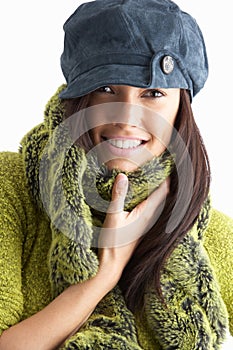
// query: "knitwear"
[[25, 238], [30, 247]]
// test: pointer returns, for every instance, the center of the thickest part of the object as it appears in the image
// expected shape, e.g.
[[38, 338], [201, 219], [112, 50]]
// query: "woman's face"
[[140, 125]]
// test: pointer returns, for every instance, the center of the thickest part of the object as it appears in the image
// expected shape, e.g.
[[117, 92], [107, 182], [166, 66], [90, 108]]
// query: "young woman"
[[108, 237]]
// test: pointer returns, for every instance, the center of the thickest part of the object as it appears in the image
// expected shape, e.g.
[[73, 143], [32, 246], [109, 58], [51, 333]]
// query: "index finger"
[[119, 192]]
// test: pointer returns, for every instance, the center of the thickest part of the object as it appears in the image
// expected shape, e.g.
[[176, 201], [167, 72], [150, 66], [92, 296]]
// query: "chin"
[[123, 165]]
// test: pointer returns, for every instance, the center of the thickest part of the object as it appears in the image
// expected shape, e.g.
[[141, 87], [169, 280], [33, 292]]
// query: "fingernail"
[[121, 185]]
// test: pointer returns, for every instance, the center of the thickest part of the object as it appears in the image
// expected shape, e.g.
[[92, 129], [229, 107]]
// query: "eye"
[[155, 93], [105, 89]]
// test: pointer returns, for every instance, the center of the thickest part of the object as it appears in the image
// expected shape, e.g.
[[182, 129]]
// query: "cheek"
[[172, 115], [160, 128], [157, 148], [95, 135]]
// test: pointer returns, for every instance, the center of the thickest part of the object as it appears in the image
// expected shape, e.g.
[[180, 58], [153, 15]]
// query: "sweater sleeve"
[[219, 245], [12, 222]]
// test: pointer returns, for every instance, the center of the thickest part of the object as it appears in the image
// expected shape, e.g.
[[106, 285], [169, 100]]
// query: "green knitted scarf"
[[75, 191]]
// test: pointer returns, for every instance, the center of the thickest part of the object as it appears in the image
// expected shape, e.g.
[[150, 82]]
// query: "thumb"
[[119, 192]]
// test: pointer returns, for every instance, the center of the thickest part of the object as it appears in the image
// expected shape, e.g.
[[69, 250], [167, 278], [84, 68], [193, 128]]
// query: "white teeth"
[[125, 143]]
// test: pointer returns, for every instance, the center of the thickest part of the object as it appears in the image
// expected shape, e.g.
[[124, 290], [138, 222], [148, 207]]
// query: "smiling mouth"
[[124, 143], [130, 149]]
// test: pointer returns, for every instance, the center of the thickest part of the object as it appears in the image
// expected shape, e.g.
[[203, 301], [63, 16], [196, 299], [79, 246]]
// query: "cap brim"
[[113, 74]]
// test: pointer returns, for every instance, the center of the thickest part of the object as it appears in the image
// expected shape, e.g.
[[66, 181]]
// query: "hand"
[[122, 230]]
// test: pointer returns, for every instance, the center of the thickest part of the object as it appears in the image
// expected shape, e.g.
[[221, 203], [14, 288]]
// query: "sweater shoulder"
[[13, 223], [15, 197], [220, 229], [218, 242], [11, 165], [24, 244], [13, 176]]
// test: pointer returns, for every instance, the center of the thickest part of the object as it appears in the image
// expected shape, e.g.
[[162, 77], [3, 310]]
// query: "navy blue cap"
[[142, 43]]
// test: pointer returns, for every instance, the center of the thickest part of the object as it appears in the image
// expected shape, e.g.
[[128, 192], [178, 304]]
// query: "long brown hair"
[[155, 247]]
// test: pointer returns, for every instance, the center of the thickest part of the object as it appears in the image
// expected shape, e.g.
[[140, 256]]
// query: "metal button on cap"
[[167, 64]]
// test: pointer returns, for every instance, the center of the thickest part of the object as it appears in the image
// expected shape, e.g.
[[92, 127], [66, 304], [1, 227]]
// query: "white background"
[[31, 44]]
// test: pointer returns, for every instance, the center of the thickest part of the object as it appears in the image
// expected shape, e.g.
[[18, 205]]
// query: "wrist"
[[110, 273]]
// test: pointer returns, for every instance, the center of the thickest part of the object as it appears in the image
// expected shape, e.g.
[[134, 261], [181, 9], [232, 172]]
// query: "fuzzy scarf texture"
[[61, 182]]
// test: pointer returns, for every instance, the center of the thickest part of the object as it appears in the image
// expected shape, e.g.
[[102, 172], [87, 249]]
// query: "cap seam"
[[127, 26]]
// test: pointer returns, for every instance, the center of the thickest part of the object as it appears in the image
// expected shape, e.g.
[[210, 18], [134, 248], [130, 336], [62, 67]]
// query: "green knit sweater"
[[25, 239]]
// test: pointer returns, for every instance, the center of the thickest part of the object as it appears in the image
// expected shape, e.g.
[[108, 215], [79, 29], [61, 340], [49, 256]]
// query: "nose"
[[114, 113], [127, 115]]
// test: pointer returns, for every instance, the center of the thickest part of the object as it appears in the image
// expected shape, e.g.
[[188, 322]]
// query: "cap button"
[[167, 64]]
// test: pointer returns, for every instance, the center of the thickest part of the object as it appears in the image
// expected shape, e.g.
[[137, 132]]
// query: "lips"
[[125, 143], [123, 147]]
